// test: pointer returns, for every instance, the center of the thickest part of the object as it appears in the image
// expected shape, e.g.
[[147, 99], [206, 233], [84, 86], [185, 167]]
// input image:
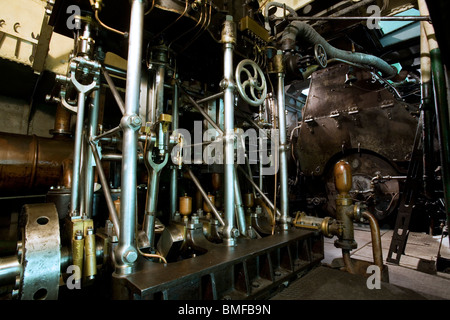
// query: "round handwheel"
[[321, 55], [251, 82]]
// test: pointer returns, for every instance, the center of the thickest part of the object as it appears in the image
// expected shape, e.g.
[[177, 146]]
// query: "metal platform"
[[253, 269]]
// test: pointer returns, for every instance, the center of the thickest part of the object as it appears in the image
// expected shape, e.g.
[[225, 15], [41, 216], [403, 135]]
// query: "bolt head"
[[131, 256]]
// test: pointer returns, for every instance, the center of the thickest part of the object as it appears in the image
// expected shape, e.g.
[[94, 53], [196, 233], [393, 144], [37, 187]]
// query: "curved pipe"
[[348, 262], [303, 31], [376, 239]]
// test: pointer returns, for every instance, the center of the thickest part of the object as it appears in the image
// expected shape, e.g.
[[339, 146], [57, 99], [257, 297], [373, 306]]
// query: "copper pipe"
[[67, 173], [376, 239], [62, 121], [348, 261], [28, 162]]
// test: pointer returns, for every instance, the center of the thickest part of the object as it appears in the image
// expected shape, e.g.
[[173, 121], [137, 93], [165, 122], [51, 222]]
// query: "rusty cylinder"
[[62, 122], [29, 162]]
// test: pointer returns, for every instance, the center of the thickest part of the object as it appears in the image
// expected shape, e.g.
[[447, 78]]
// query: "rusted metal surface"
[[62, 121], [28, 162], [363, 115]]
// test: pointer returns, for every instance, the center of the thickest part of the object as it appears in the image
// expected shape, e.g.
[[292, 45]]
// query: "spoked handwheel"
[[251, 82], [321, 55]]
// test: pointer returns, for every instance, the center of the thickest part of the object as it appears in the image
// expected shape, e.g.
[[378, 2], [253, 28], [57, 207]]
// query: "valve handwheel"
[[320, 55], [251, 82]]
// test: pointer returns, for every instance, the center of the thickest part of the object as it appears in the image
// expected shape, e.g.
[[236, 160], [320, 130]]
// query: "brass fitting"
[[344, 205], [327, 226]]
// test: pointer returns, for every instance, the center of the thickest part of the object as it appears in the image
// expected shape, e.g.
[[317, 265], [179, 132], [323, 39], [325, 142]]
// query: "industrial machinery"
[[179, 156]]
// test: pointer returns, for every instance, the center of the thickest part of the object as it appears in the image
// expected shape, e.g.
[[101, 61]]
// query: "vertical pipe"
[[228, 38], [90, 162], [126, 253], [376, 239], [441, 105], [160, 75], [239, 206], [283, 151], [75, 194], [174, 169], [427, 112], [151, 205]]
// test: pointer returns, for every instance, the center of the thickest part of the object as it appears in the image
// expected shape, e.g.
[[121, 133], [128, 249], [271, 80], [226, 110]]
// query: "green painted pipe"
[[442, 117]]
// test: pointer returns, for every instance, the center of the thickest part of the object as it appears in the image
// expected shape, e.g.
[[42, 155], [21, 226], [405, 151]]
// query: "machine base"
[[253, 269]]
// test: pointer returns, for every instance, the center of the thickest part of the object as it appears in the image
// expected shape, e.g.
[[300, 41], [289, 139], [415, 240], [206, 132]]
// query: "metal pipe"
[[301, 30], [104, 182], [441, 105], [284, 197], [240, 213], [113, 89], [107, 133], [386, 18], [160, 75], [376, 239], [89, 170], [75, 194], [348, 261], [204, 114], [210, 98], [115, 71], [265, 198], [427, 112], [151, 206], [126, 253], [228, 38], [31, 162], [205, 196], [9, 269], [174, 169]]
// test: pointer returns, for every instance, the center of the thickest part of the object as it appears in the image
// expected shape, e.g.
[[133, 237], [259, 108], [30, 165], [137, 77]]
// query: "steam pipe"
[[441, 104], [28, 162], [302, 31], [427, 111], [174, 169], [75, 194], [376, 239], [126, 253], [228, 39], [283, 150], [89, 170]]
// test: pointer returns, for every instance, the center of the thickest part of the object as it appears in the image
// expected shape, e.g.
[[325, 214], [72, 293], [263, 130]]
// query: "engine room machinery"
[[203, 149]]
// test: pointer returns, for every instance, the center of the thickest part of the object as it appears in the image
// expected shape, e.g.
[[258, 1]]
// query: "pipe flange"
[[346, 244]]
